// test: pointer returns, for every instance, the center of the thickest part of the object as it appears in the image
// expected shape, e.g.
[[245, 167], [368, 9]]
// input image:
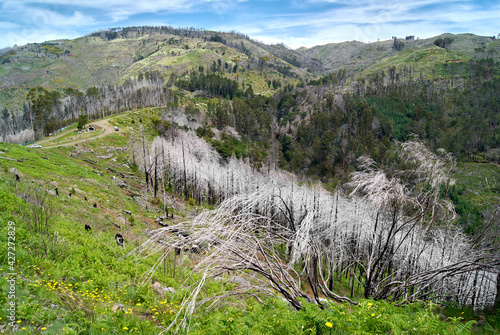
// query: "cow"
[[160, 222], [120, 240]]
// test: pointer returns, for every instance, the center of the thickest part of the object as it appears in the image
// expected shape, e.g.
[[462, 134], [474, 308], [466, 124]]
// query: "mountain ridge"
[[110, 56]]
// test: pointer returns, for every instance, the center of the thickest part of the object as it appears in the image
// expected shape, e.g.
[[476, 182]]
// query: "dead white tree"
[[392, 236], [410, 215]]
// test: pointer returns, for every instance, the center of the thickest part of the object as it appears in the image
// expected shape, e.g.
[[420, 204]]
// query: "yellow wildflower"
[[329, 324]]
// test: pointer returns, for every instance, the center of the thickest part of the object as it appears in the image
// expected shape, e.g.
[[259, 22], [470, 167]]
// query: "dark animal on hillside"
[[120, 240], [57, 191], [160, 222], [180, 234], [85, 198], [195, 248], [17, 177], [95, 205], [87, 227]]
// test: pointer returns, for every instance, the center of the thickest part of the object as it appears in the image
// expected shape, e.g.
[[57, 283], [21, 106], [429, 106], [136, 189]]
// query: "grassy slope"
[[422, 54], [480, 183], [95, 62], [86, 274]]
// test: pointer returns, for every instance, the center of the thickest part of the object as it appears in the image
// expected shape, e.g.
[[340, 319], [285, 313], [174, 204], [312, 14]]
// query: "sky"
[[294, 23]]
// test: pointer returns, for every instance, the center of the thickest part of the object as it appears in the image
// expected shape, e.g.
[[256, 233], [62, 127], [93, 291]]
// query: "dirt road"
[[102, 123]]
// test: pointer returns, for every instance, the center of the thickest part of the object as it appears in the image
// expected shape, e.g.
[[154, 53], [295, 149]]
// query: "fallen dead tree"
[[242, 246]]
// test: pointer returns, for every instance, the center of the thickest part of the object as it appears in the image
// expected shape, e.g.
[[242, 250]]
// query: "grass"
[[92, 273], [479, 182], [12, 97], [369, 317], [423, 60]]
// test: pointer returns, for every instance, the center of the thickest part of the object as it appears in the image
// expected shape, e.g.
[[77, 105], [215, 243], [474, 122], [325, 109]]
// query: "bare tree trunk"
[[164, 263], [497, 296], [146, 174], [353, 275], [156, 175], [185, 173]]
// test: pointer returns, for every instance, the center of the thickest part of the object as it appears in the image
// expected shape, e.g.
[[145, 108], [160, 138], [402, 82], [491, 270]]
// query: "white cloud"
[[23, 24], [46, 18], [369, 20], [307, 22], [9, 25], [120, 10], [35, 36]]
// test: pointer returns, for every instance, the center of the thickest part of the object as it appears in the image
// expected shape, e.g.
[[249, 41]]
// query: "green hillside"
[[96, 60], [101, 59], [423, 54]]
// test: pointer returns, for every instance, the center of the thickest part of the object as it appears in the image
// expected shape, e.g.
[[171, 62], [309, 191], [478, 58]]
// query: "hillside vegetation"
[[111, 58], [70, 280]]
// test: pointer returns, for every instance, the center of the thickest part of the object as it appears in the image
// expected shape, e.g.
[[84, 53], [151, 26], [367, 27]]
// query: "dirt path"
[[102, 123]]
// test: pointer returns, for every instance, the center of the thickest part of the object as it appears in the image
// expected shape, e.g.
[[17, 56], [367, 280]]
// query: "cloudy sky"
[[295, 23]]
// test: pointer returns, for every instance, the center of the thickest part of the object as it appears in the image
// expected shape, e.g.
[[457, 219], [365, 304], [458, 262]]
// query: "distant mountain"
[[112, 56], [359, 57]]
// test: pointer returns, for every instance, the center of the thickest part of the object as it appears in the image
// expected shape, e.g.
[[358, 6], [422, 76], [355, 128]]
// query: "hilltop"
[[369, 57]]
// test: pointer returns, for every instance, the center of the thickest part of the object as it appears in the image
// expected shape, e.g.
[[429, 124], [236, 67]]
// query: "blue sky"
[[294, 23]]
